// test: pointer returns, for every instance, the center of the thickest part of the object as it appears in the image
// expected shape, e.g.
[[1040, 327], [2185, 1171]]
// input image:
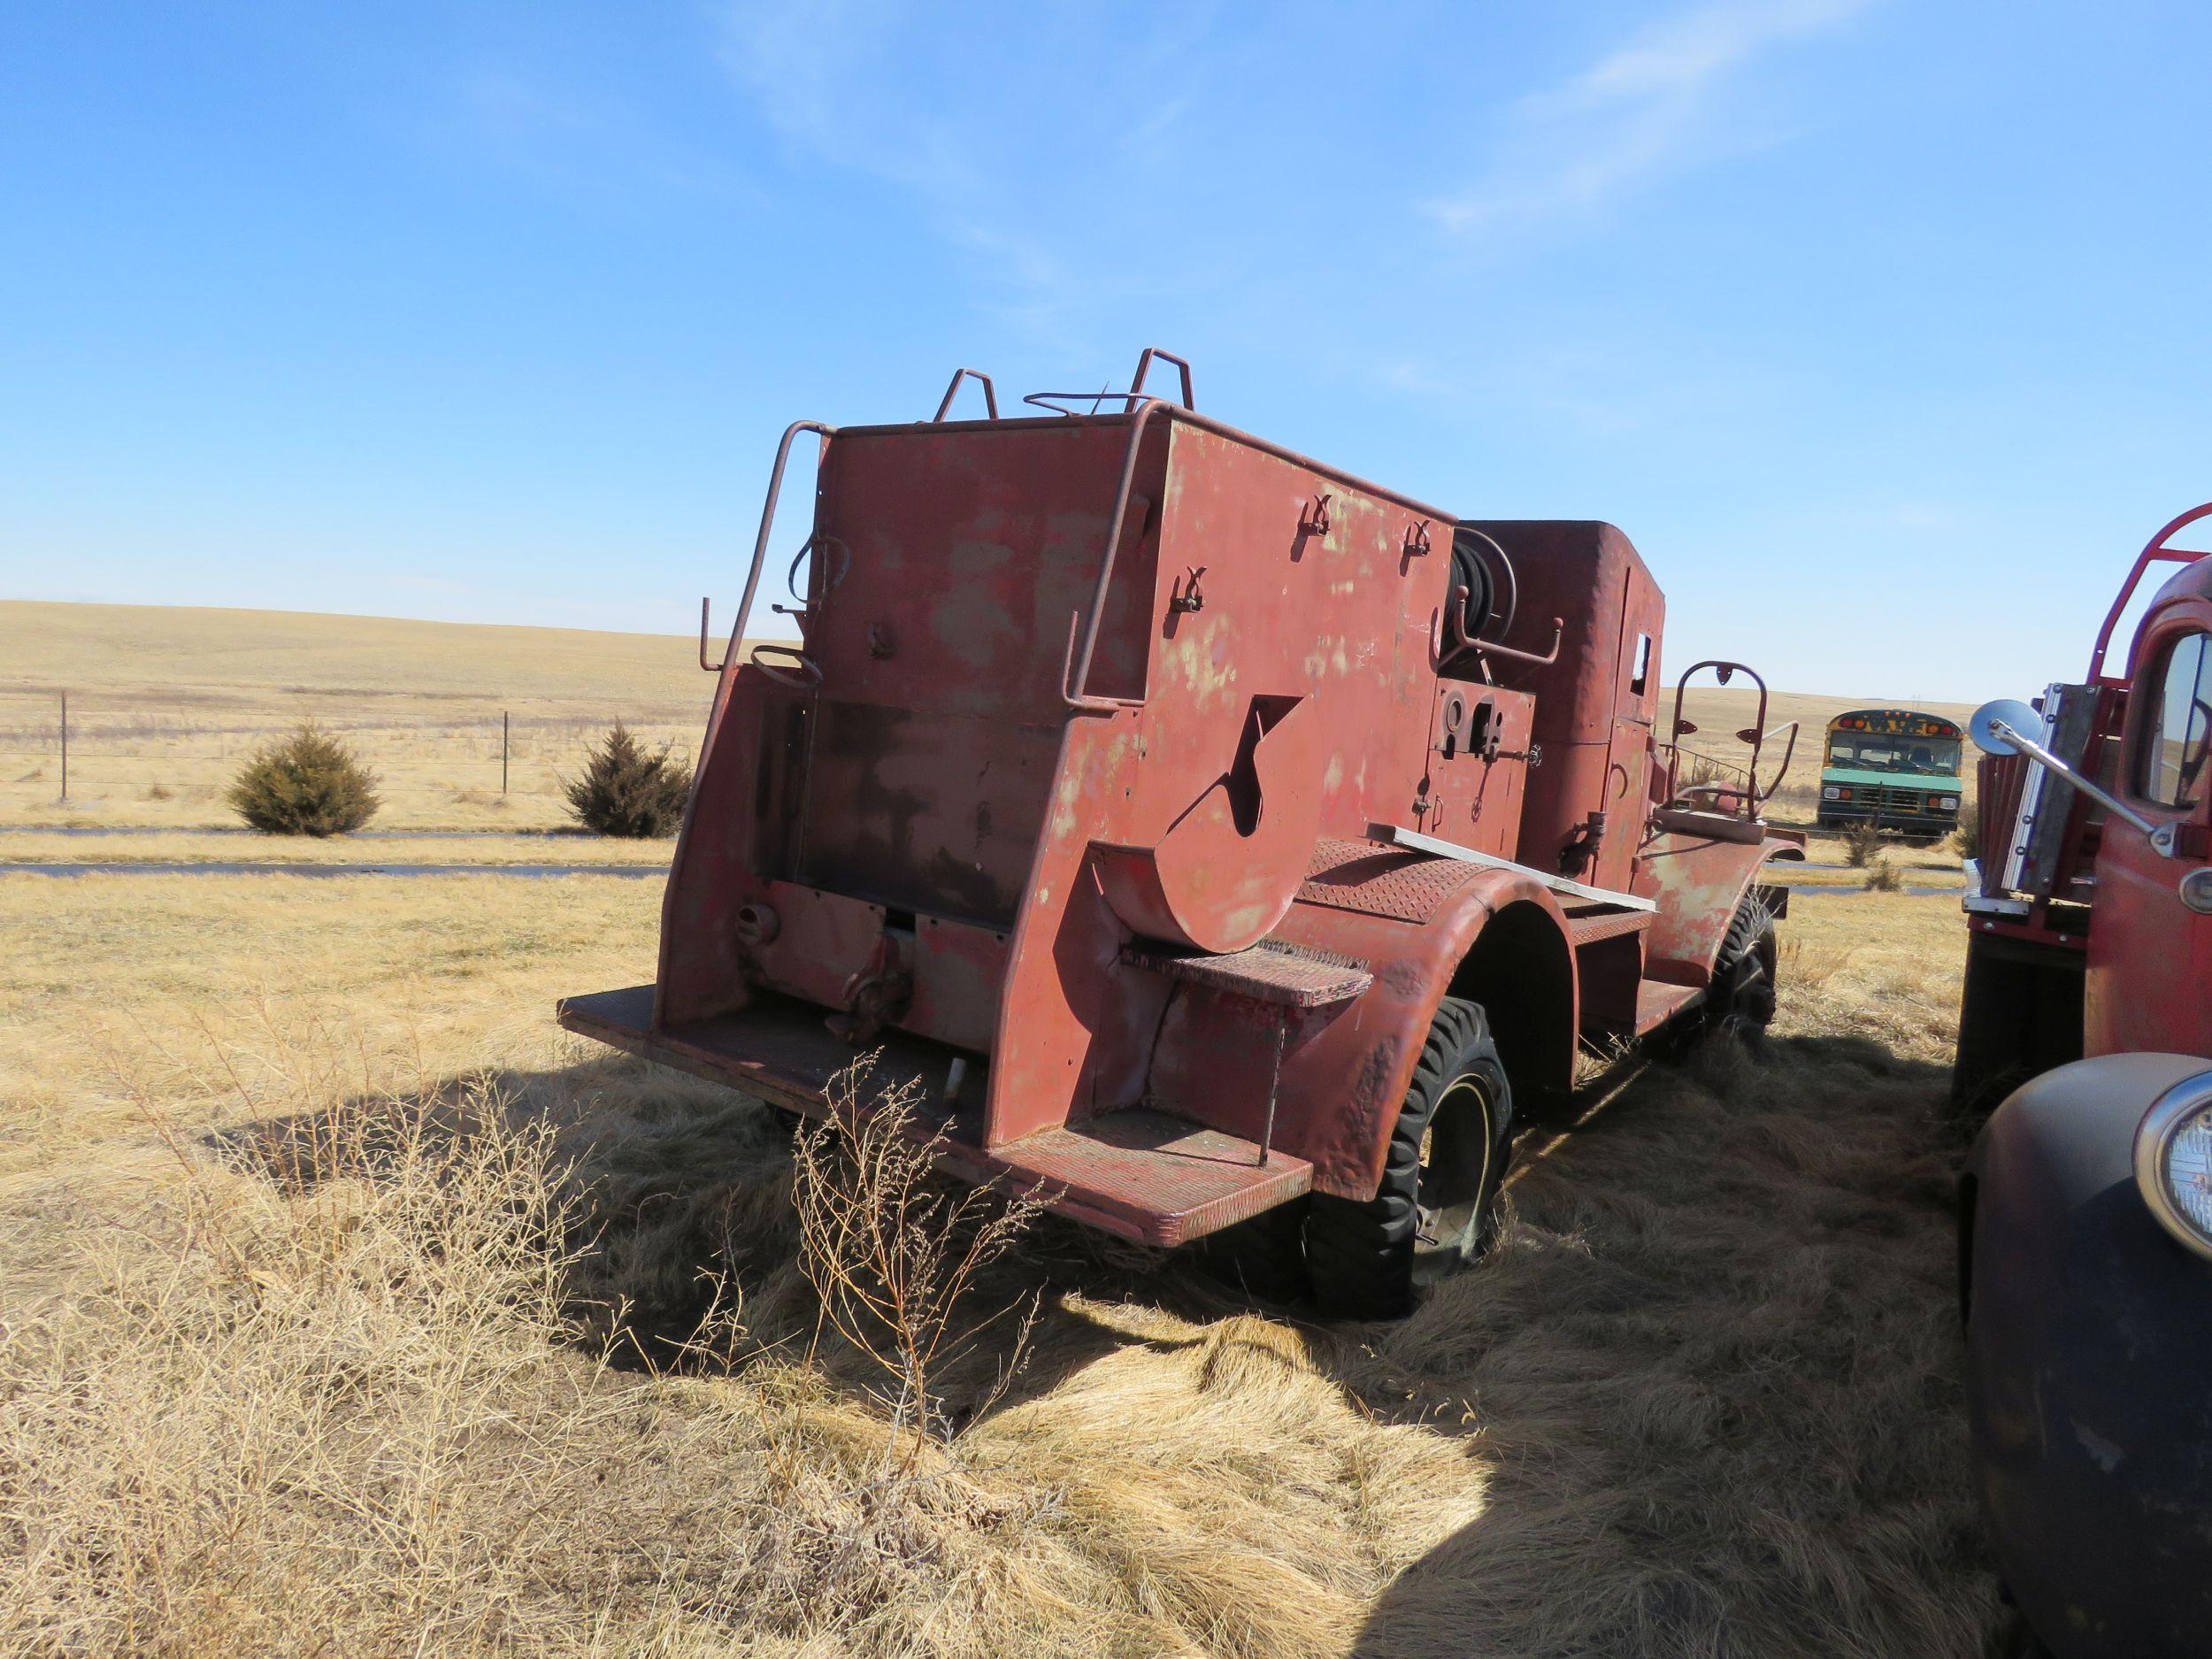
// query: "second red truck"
[[1197, 830]]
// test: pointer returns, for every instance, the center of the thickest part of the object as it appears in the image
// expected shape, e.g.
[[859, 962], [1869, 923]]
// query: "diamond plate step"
[[1587, 927], [1288, 976]]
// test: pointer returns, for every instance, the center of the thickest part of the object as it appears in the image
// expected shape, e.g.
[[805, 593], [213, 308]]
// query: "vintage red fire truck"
[[1195, 830], [2085, 1262]]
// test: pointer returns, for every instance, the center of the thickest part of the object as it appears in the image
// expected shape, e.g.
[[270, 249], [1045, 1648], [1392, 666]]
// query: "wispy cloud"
[[1646, 110], [571, 137], [919, 99], [819, 73]]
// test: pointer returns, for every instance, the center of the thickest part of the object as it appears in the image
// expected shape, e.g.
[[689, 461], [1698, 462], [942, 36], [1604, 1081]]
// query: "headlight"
[[1949, 803], [1829, 792], [2173, 1160]]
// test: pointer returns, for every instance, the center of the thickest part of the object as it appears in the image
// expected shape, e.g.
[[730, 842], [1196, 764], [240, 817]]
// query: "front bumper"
[[1910, 819]]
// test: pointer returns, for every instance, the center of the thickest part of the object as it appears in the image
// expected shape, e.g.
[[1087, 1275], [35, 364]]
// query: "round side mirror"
[[2010, 712]]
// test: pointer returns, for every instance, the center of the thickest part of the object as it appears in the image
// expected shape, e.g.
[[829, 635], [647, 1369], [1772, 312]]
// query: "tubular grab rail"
[[806, 669], [1755, 734], [990, 393], [2155, 552]]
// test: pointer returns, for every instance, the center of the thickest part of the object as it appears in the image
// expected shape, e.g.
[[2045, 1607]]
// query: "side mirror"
[[2007, 727], [1994, 725]]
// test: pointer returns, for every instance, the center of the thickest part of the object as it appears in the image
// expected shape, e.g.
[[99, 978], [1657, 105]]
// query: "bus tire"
[[1441, 1173]]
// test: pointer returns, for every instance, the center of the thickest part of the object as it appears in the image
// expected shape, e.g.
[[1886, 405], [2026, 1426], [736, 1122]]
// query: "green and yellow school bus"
[[1898, 768]]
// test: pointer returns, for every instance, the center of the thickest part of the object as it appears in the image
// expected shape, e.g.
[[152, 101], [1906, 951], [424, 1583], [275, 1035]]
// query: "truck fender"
[[2088, 1343], [1426, 930], [1699, 881]]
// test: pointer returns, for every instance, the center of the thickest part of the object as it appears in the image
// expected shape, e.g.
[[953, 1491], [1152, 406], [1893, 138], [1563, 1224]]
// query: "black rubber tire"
[[1441, 1174], [1741, 997], [2015, 1640], [1263, 1258]]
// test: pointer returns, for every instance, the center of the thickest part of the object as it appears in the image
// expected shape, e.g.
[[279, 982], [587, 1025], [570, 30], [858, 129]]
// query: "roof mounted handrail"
[[1129, 400], [2155, 552], [990, 393], [1144, 367]]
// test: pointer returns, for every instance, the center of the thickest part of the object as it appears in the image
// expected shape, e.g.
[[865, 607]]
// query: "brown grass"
[[332, 1327], [166, 702], [217, 846]]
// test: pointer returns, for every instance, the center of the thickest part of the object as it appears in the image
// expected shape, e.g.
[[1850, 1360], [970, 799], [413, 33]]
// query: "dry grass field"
[[166, 703], [349, 1307]]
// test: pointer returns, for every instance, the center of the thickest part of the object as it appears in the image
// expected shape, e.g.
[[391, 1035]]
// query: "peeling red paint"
[[930, 796]]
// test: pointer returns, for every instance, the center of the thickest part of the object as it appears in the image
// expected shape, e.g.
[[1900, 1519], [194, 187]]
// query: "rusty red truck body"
[[2086, 1225], [1139, 791]]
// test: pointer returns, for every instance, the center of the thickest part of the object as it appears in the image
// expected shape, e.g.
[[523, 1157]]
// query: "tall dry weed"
[[1862, 842], [895, 1253]]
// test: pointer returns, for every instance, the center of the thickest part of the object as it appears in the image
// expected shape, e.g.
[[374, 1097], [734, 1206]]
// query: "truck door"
[[1628, 750], [2149, 954]]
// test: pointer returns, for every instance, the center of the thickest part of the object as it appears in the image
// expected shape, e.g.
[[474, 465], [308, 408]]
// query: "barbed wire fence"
[[76, 752]]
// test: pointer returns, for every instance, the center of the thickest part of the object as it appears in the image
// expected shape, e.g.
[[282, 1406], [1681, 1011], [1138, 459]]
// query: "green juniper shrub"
[[626, 790], [306, 784]]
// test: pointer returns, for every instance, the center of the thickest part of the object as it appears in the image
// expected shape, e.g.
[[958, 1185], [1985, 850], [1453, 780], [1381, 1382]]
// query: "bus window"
[[1925, 757]]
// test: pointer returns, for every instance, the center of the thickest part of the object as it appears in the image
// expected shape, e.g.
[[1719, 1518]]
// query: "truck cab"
[[1190, 830], [2085, 1232]]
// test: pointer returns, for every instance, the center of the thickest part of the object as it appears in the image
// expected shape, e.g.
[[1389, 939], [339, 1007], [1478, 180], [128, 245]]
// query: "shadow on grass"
[[1702, 1398], [1714, 1372], [680, 1249]]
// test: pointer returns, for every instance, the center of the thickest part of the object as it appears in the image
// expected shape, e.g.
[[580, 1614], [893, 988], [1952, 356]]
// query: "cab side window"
[[2177, 726]]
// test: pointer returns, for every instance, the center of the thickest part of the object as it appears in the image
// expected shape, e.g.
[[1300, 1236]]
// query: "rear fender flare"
[[1346, 1069]]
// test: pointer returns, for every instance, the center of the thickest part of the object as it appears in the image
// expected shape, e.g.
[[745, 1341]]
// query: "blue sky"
[[1880, 326]]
